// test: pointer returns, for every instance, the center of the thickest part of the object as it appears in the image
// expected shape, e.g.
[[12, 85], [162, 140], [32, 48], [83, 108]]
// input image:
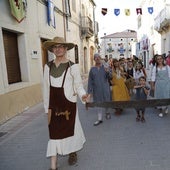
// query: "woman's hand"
[[86, 97]]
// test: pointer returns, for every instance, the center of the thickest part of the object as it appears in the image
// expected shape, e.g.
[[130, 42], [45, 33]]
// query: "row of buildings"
[[22, 56], [151, 37]]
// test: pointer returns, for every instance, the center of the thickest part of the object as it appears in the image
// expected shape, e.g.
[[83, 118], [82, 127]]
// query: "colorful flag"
[[139, 11], [116, 12], [127, 12], [17, 9], [150, 10], [50, 13], [104, 11]]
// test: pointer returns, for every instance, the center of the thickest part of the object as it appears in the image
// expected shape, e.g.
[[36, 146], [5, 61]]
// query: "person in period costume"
[[168, 59], [130, 82], [98, 87], [142, 91], [119, 89], [62, 84], [139, 72], [160, 82]]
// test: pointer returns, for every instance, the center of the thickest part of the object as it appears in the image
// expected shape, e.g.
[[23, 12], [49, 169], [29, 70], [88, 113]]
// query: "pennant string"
[[127, 12]]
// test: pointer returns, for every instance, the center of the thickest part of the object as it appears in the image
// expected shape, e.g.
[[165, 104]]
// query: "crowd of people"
[[109, 80], [129, 80]]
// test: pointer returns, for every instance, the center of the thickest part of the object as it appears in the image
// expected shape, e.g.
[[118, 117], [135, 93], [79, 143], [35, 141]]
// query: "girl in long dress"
[[119, 89]]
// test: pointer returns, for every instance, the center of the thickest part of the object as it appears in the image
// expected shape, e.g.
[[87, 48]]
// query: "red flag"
[[139, 11], [17, 9], [104, 11]]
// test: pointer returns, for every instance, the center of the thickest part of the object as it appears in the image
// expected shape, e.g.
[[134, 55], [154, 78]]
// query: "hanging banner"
[[127, 12], [139, 11], [17, 9], [116, 12], [104, 11], [50, 13], [150, 10]]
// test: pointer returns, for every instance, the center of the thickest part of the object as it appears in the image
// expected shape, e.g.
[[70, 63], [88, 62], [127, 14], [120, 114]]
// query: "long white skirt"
[[67, 145]]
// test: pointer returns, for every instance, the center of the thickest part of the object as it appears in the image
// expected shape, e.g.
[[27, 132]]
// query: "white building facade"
[[153, 30], [22, 56], [119, 44]]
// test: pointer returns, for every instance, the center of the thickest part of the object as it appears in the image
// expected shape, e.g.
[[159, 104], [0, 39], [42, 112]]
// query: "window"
[[12, 56]]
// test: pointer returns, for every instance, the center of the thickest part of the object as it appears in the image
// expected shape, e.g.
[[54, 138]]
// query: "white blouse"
[[73, 85], [153, 75]]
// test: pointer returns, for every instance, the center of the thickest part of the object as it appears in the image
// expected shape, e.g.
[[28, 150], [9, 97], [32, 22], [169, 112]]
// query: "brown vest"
[[63, 113]]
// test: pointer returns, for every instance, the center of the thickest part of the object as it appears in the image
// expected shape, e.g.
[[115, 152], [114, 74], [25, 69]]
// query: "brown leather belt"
[[131, 104]]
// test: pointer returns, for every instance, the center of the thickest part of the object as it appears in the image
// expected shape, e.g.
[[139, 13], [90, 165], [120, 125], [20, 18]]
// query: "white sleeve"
[[46, 88], [168, 70], [150, 72], [153, 74], [78, 84]]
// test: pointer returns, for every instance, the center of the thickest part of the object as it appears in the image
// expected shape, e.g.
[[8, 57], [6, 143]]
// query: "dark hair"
[[154, 59], [142, 77]]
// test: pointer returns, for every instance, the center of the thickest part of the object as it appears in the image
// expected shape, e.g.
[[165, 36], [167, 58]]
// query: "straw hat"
[[57, 40]]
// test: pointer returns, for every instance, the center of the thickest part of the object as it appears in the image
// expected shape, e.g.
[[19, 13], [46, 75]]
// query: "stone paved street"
[[117, 144]]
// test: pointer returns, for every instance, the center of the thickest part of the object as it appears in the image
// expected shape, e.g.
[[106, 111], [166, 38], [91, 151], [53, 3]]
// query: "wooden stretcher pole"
[[131, 104]]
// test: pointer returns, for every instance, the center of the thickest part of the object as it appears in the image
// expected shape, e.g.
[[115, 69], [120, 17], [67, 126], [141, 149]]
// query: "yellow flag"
[[127, 12], [17, 9]]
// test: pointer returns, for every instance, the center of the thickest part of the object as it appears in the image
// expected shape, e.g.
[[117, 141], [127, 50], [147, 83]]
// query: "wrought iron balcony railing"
[[162, 21]]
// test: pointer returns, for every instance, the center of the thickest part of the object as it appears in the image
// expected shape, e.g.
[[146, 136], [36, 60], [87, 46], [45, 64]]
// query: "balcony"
[[87, 27], [162, 21]]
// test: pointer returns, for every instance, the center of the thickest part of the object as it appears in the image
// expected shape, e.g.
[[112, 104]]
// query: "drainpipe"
[[63, 7]]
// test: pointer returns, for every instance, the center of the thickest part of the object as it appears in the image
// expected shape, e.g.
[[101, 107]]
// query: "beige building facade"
[[22, 56], [119, 44], [153, 30]]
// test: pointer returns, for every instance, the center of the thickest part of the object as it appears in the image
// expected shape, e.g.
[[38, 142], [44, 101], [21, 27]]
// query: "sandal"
[[108, 116], [138, 118], [72, 158], [142, 119], [117, 112]]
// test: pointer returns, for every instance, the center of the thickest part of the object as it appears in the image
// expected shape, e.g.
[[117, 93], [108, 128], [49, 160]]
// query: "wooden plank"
[[131, 104]]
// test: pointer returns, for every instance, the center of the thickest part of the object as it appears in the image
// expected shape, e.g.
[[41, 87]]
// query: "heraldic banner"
[[17, 9]]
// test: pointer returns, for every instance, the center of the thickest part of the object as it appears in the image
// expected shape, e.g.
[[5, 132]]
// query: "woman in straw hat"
[[62, 83]]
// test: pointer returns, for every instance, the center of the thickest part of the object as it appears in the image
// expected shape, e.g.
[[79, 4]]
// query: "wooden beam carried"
[[131, 104]]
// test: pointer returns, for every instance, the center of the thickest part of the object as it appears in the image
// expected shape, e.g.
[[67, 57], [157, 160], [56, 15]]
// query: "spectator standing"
[[142, 91], [119, 89], [160, 82], [152, 63], [98, 87], [130, 76], [139, 72], [168, 59]]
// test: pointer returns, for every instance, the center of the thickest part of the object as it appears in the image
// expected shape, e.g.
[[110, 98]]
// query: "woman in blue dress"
[[98, 86], [161, 82]]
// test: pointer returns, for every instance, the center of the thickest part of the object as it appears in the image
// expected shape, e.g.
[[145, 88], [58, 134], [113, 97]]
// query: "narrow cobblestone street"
[[118, 144]]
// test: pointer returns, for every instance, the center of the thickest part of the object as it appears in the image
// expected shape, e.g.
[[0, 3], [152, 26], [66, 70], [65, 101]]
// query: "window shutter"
[[12, 57]]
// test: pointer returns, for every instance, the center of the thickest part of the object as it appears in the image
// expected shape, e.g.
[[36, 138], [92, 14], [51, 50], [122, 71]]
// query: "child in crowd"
[[142, 91]]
